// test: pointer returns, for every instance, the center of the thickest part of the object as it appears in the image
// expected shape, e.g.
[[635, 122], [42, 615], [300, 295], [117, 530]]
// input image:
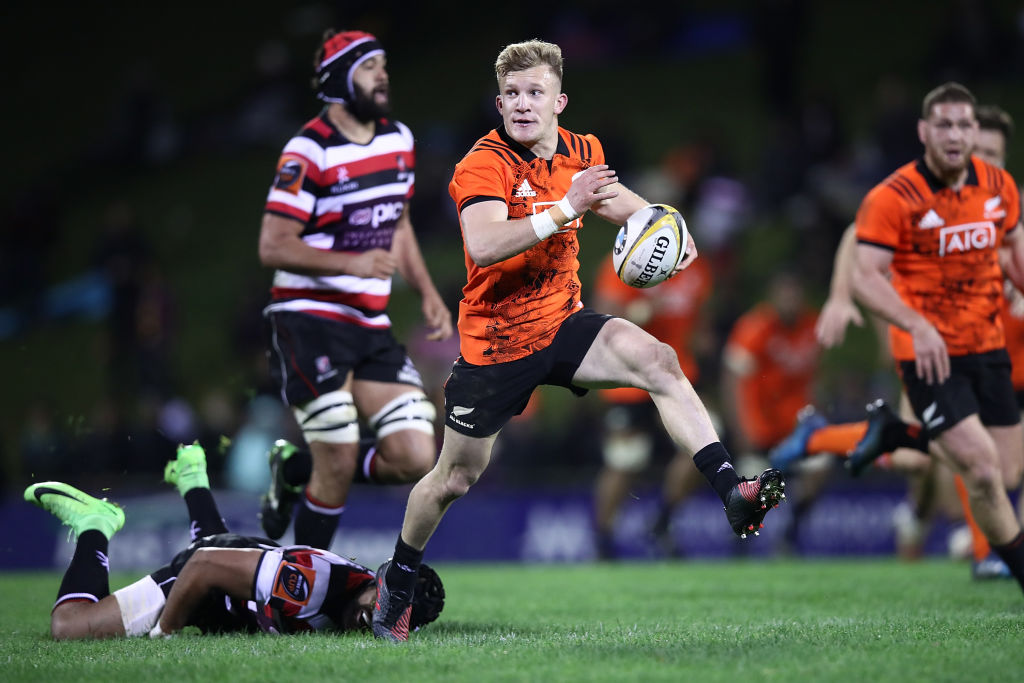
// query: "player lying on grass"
[[221, 583]]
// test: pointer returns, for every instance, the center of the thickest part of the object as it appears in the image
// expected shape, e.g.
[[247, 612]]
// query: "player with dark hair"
[[928, 262], [221, 583], [335, 228], [521, 192], [902, 437]]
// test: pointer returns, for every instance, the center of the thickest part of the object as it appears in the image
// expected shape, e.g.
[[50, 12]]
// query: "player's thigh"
[[465, 457], [967, 445], [623, 355], [399, 414]]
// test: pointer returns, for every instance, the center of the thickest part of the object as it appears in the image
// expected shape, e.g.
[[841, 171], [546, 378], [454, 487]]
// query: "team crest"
[[294, 583], [324, 370], [290, 172]]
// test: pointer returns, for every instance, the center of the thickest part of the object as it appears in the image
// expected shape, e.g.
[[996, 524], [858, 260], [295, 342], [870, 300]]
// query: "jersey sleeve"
[[298, 180], [480, 176], [878, 219], [284, 587]]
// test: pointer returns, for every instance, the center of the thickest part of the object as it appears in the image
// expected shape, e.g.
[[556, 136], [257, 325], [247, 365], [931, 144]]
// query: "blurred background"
[[144, 139]]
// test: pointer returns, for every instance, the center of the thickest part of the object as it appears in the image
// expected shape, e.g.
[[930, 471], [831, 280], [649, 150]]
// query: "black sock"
[[899, 434], [404, 568], [315, 523], [714, 463], [202, 510], [88, 575], [1013, 555], [364, 462], [297, 469]]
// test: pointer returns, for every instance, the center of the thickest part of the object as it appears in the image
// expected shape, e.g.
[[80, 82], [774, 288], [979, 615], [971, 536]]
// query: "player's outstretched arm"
[[491, 237], [413, 269], [281, 246], [231, 570], [840, 310]]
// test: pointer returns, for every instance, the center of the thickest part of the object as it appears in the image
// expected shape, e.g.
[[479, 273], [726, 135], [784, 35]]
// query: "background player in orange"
[[768, 370], [335, 228], [670, 312], [936, 226], [931, 483], [520, 193]]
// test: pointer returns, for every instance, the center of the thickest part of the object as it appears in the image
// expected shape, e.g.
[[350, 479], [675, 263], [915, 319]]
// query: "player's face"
[[358, 613], [948, 135], [372, 91], [990, 146], [530, 102]]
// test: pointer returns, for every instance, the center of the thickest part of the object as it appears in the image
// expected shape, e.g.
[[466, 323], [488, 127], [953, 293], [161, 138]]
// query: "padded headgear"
[[427, 598], [342, 54]]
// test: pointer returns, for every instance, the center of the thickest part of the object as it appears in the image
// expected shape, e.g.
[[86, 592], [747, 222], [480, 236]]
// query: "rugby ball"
[[649, 246]]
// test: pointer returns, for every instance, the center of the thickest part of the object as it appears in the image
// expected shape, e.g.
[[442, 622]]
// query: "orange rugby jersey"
[[785, 363], [677, 304], [945, 250], [513, 308]]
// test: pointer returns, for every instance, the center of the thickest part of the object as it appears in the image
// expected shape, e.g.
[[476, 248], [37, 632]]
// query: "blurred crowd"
[[811, 171]]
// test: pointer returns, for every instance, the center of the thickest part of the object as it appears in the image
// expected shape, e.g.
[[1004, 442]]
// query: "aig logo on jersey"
[[293, 583], [958, 239]]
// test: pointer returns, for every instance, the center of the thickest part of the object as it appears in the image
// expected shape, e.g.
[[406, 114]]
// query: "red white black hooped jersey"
[[349, 197], [299, 588]]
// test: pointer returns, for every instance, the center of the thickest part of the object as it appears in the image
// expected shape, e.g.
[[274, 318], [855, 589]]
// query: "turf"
[[877, 620]]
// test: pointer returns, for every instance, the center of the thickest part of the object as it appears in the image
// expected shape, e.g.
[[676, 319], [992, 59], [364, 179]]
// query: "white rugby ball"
[[649, 246]]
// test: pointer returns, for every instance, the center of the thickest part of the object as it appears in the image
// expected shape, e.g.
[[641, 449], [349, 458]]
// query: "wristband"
[[565, 207], [544, 225]]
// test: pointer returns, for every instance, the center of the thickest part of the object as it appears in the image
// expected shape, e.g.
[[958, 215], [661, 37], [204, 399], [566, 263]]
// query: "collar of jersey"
[[523, 151], [933, 181]]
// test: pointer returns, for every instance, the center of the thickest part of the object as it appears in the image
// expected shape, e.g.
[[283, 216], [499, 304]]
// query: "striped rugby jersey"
[[298, 588], [349, 198]]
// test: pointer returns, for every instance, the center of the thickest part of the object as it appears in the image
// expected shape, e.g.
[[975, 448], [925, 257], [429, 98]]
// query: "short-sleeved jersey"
[[513, 308], [349, 198], [779, 384], [945, 250], [676, 304], [296, 588]]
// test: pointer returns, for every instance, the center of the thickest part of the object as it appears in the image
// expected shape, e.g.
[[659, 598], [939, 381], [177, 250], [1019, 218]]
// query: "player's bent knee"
[[411, 410], [330, 418], [659, 364]]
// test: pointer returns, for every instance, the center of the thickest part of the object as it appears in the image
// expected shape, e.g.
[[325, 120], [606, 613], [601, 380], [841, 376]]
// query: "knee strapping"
[[411, 410], [330, 418]]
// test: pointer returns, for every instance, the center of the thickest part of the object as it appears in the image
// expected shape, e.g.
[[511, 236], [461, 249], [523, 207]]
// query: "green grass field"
[[871, 620]]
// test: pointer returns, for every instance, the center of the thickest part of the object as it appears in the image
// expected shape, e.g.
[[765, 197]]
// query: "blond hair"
[[526, 55]]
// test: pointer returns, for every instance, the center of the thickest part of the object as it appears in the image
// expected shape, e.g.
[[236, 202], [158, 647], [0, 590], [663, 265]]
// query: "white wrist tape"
[[566, 208], [544, 225]]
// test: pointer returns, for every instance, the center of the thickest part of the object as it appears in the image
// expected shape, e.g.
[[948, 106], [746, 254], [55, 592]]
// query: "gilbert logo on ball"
[[649, 246]]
